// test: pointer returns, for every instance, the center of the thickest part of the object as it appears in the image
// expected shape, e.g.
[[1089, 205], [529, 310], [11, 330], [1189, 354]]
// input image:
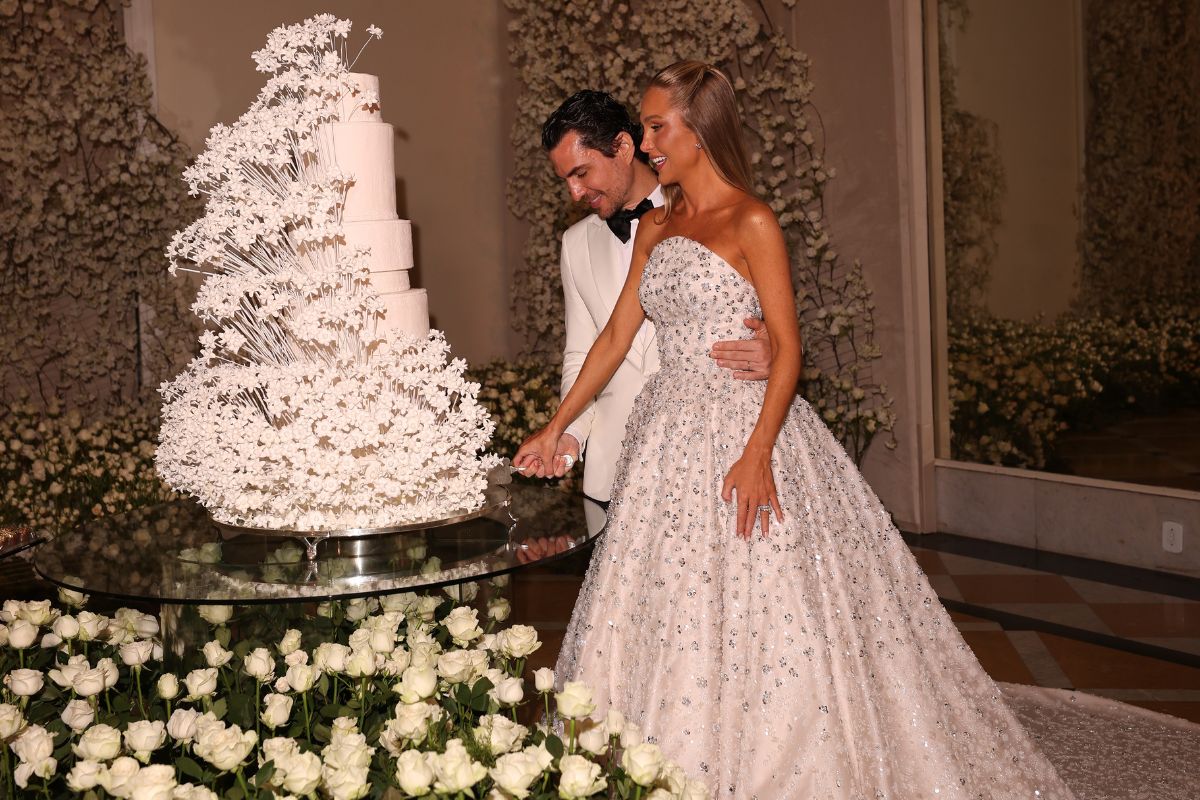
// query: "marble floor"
[[1033, 618]]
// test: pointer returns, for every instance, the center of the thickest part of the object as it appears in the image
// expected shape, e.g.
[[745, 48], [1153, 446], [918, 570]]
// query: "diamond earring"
[[698, 146]]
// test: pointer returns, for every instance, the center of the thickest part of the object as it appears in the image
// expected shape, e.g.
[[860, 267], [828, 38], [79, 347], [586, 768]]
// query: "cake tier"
[[363, 151], [390, 242], [352, 105], [406, 311], [387, 281]]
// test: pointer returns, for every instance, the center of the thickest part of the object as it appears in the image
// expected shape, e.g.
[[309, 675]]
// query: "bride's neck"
[[703, 190]]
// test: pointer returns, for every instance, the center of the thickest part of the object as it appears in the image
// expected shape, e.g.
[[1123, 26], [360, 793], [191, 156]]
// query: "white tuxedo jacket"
[[594, 268]]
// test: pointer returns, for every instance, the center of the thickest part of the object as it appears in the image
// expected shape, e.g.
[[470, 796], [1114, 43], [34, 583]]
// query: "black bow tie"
[[620, 223]]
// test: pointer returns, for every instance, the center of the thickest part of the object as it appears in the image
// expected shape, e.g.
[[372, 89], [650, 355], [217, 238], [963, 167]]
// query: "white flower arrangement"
[[378, 697], [297, 414]]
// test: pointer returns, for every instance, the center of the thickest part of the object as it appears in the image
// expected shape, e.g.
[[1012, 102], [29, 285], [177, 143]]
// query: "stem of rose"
[[362, 702], [307, 719], [137, 678], [242, 782], [572, 740], [257, 704]]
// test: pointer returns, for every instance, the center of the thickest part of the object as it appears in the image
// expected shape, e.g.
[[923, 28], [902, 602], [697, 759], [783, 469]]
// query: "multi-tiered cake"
[[321, 400], [361, 145]]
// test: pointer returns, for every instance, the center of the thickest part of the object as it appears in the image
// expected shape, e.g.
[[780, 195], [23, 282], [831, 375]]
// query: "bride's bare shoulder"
[[753, 217]]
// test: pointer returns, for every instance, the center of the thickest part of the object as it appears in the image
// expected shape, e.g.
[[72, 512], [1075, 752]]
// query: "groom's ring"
[[569, 459]]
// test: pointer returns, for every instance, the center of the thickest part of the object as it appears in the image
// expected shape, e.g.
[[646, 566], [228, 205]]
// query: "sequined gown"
[[817, 663]]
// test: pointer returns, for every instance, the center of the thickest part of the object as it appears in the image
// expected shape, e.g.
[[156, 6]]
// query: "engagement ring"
[[764, 508], [570, 459]]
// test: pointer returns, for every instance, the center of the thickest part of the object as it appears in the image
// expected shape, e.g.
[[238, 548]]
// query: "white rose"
[[200, 682], [38, 612], [137, 653], [695, 790], [21, 634], [413, 773], [643, 763], [215, 654], [88, 682], [108, 668], [91, 626], [499, 609], [500, 734], [43, 768], [462, 666], [397, 603], [361, 663], [423, 654], [425, 607], [302, 773], [34, 745], [543, 680], [614, 722], [295, 658], [575, 700], [416, 684], [98, 743], [259, 665], [673, 778], [541, 755], [24, 682], [580, 778], [455, 770], [167, 686], [85, 775], [77, 715], [189, 791], [51, 640], [357, 609], [301, 677], [117, 780], [11, 721], [463, 625], [331, 657], [345, 784], [515, 773], [155, 782], [72, 598], [462, 593], [225, 748], [144, 737], [348, 751], [277, 710], [412, 720], [182, 724], [507, 691], [215, 615], [397, 661], [630, 735], [594, 740], [67, 627], [290, 642], [517, 641]]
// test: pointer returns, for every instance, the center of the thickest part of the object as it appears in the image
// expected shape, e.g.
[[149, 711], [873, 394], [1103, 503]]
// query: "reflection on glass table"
[[174, 553]]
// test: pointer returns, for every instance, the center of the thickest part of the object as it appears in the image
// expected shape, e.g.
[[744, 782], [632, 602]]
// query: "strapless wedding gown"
[[817, 663]]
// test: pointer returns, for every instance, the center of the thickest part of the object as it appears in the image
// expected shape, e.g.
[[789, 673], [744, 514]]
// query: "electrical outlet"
[[1172, 533]]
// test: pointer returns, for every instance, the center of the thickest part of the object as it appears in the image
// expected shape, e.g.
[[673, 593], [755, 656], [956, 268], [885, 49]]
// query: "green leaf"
[[121, 704], [555, 746], [482, 687], [190, 768], [264, 774], [220, 708]]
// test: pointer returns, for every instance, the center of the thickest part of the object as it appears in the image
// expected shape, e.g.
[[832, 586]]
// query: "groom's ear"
[[623, 147]]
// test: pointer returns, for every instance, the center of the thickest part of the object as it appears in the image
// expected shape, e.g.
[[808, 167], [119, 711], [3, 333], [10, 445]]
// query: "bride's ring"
[[569, 459], [764, 508]]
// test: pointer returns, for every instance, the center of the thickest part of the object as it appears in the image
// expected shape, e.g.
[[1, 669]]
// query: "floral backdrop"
[[558, 49], [91, 189]]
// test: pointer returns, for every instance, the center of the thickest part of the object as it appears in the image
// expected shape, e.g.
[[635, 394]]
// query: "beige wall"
[[858, 54], [1019, 66], [441, 64]]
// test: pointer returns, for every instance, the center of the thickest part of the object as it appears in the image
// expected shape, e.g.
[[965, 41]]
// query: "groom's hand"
[[566, 455], [750, 359]]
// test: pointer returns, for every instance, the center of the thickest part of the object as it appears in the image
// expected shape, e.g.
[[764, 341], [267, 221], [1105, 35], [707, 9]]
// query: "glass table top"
[[175, 553]]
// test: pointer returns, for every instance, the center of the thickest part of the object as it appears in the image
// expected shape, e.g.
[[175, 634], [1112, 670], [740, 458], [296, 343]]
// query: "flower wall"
[[91, 189], [617, 47]]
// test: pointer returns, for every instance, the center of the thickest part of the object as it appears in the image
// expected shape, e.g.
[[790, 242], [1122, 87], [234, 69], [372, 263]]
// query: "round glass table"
[[174, 553]]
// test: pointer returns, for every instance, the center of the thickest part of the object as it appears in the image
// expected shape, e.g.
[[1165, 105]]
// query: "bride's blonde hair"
[[705, 99]]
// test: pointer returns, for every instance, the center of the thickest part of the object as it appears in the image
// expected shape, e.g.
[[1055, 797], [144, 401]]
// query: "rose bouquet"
[[405, 696]]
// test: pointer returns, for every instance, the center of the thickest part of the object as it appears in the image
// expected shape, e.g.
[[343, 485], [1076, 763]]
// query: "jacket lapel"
[[607, 270]]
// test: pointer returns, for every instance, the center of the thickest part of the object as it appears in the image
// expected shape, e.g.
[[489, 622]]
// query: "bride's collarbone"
[[723, 247]]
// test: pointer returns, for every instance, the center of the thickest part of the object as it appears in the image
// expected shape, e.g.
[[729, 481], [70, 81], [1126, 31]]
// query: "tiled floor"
[[1033, 618]]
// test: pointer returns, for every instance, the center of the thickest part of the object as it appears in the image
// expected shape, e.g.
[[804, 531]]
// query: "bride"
[[751, 599]]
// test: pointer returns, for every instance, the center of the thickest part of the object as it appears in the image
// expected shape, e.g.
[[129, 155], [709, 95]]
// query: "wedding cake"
[[320, 400]]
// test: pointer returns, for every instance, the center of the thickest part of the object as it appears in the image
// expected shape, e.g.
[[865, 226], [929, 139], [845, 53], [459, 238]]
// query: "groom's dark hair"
[[598, 118]]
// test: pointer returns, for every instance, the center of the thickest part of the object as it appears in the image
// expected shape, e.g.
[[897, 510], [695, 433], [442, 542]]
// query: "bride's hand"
[[536, 454], [750, 479]]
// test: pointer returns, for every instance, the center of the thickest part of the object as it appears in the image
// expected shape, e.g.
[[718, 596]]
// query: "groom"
[[594, 146]]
